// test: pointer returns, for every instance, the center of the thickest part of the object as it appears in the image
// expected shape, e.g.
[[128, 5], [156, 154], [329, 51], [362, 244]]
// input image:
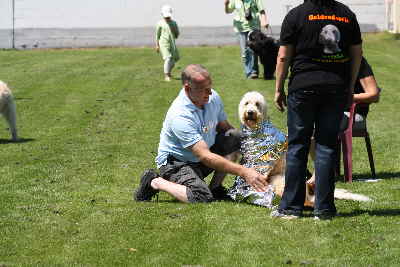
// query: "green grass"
[[90, 122]]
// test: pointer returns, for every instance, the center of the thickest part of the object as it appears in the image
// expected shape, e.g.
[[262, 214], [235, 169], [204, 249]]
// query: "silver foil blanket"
[[260, 148]]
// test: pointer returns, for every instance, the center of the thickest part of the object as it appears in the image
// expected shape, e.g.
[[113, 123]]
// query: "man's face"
[[199, 92]]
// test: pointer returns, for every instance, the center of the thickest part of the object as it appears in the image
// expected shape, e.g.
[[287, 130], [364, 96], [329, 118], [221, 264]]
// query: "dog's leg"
[[276, 177], [278, 182], [311, 155], [11, 117]]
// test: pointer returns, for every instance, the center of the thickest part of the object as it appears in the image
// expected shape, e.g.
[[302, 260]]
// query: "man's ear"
[[187, 87]]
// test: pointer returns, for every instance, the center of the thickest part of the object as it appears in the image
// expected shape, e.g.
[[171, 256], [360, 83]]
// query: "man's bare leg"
[[178, 191]]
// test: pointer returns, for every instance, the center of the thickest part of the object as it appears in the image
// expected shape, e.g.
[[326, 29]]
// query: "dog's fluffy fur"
[[8, 110], [252, 112], [267, 49]]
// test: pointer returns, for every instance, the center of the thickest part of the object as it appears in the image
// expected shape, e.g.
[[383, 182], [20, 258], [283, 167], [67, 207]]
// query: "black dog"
[[267, 49]]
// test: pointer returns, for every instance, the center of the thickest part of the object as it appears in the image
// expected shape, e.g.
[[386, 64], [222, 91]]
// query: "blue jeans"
[[249, 59], [318, 111]]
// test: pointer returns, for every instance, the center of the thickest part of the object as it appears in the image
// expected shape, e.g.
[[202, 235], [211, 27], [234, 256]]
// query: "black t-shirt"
[[365, 71], [322, 36]]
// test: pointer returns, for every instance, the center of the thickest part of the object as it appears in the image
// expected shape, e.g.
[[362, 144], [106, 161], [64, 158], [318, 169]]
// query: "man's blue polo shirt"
[[185, 125]]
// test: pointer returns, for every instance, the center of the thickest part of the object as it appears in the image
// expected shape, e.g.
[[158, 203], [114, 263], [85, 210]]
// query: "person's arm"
[[263, 19], [371, 91], [228, 9], [224, 126], [284, 58], [158, 34], [175, 30], [355, 52], [219, 163]]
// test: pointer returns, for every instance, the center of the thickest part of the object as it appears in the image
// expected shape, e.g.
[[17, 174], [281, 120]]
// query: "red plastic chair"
[[346, 142]]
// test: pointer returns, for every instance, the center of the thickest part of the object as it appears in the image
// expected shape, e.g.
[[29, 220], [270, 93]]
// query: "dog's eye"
[[257, 104], [246, 103]]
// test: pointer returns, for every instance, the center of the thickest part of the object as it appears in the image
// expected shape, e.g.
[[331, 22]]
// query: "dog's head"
[[256, 40], [262, 44], [252, 109]]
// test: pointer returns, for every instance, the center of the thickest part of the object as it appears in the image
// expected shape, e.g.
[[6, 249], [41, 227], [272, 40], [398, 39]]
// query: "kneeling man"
[[193, 142]]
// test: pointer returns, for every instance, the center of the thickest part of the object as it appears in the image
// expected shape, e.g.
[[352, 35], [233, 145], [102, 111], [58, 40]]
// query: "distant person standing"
[[321, 42], [249, 16], [166, 32]]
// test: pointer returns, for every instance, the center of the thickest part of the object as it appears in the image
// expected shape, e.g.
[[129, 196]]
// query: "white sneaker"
[[277, 214]]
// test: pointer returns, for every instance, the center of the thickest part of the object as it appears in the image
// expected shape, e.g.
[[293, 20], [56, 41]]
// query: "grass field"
[[90, 122]]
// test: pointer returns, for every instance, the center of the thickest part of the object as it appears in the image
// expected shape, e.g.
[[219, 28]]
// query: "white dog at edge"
[[8, 110], [252, 112]]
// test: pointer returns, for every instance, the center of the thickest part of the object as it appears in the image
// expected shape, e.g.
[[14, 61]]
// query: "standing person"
[[366, 92], [321, 42], [166, 32], [249, 15], [194, 138]]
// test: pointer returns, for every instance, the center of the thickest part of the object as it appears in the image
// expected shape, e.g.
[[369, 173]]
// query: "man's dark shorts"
[[192, 175]]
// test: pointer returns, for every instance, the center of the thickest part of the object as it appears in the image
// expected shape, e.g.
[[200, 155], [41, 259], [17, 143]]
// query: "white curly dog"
[[8, 110], [252, 112]]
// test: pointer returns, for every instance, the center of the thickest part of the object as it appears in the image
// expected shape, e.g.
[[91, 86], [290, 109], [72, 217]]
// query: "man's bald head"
[[194, 73]]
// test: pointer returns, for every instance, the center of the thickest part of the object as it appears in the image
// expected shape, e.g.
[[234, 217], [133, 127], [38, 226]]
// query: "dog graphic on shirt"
[[330, 38]]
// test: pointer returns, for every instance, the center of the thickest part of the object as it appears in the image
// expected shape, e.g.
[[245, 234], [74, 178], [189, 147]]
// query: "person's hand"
[[157, 49], [226, 2], [265, 25], [235, 132], [280, 100], [256, 180]]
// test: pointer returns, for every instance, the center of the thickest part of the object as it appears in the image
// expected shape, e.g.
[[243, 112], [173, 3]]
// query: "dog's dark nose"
[[250, 113]]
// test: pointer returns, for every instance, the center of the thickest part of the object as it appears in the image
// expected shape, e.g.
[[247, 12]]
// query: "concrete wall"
[[89, 23], [393, 15], [6, 24]]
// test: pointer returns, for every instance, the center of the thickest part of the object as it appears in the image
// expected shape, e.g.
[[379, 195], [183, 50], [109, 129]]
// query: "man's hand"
[[256, 180], [235, 132], [157, 48], [226, 2], [280, 100]]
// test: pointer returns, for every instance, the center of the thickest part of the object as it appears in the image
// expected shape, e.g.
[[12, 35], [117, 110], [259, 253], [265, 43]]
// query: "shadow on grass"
[[388, 175], [362, 176], [22, 98], [382, 212], [21, 140]]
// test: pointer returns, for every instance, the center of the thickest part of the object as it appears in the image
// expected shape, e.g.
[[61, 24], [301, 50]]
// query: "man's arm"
[[224, 126], [219, 163], [355, 52], [263, 19], [282, 67]]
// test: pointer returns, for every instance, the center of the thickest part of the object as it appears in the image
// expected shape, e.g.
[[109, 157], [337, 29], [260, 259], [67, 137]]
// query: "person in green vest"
[[249, 16], [166, 32]]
